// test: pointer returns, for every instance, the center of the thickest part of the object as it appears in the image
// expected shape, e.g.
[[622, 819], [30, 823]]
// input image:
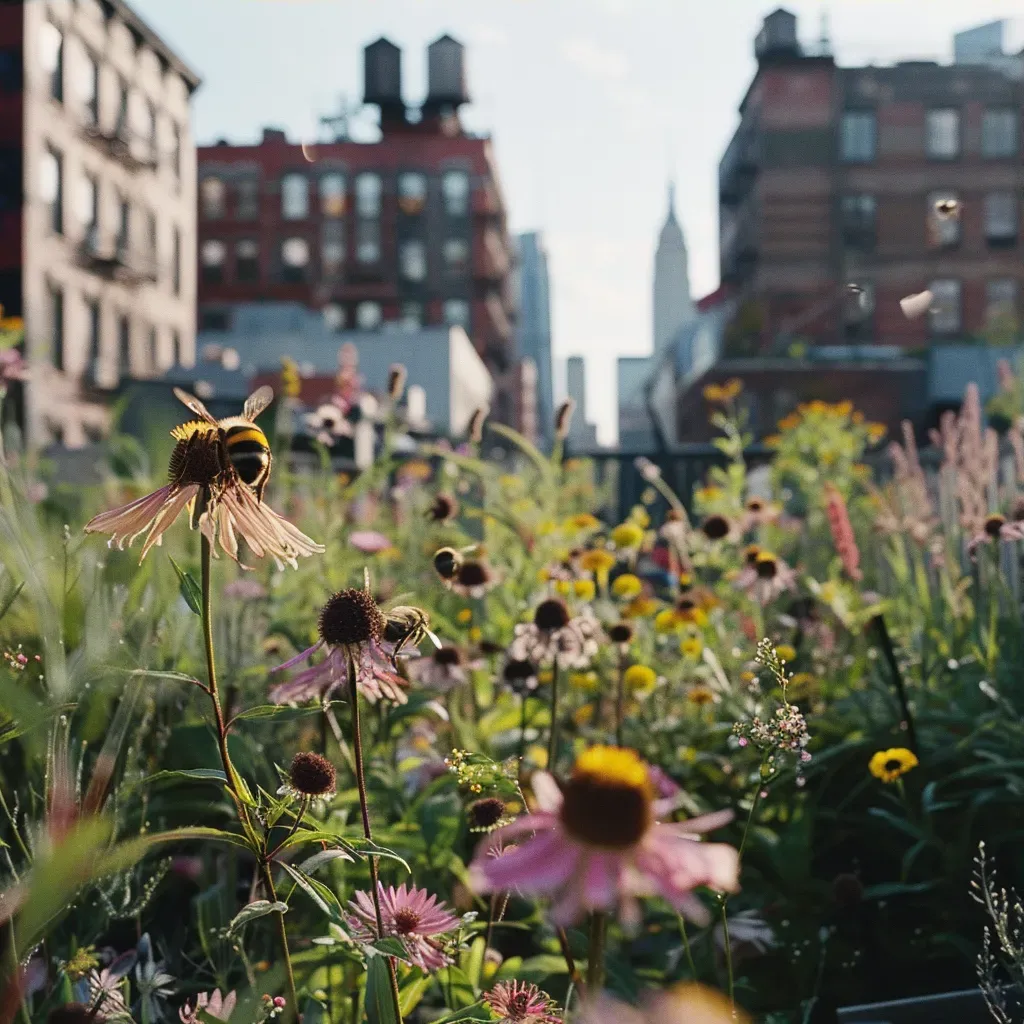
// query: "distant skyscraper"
[[672, 303], [581, 432], [534, 327]]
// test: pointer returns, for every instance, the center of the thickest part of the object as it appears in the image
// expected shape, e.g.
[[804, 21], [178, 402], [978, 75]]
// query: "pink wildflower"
[[597, 845], [212, 1003], [413, 916], [519, 1002], [369, 542], [842, 532]]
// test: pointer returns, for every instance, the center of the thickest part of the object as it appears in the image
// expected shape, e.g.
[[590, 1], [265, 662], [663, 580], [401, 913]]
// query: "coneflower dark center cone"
[[195, 461], [448, 656], [621, 633], [486, 812], [605, 813], [551, 614], [312, 774], [351, 617], [715, 527], [994, 524], [767, 568], [474, 574]]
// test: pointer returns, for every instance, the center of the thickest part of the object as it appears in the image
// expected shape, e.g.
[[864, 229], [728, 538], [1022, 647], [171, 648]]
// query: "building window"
[[332, 194], [176, 262], [89, 207], [368, 316], [456, 253], [455, 189], [124, 346], [122, 107], [368, 193], [858, 136], [944, 314], [294, 259], [89, 88], [151, 236], [334, 317], [942, 134], [176, 149], [999, 132], [332, 247], [11, 69], [857, 220], [859, 309], [412, 260], [93, 342], [368, 241], [412, 192], [211, 198], [149, 124], [294, 197], [247, 261], [456, 312], [51, 56], [1000, 300], [412, 315], [152, 356], [247, 199], [57, 326], [175, 348], [1001, 218], [52, 187], [211, 259], [943, 220], [124, 224]]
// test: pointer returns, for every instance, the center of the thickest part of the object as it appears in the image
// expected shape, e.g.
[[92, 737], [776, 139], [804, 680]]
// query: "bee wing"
[[433, 637], [193, 403], [257, 402]]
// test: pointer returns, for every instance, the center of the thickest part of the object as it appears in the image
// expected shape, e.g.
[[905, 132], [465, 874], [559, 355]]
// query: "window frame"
[[854, 155], [1009, 238], [420, 260], [446, 196], [331, 205], [987, 152], [301, 198], [934, 112], [934, 287]]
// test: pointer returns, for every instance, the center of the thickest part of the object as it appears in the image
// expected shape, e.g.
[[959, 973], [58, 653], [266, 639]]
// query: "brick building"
[[97, 207], [408, 231], [833, 177]]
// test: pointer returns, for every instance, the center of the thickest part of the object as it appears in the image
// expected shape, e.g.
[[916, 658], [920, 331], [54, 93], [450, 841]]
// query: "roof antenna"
[[824, 43]]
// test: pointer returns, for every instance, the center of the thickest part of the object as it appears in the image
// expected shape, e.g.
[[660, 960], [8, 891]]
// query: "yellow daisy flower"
[[700, 695], [639, 679], [627, 586], [889, 765], [628, 535], [786, 652], [691, 647], [586, 681], [584, 589], [666, 621], [464, 615], [597, 560]]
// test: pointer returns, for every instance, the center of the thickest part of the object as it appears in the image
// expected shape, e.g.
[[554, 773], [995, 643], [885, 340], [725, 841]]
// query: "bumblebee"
[[240, 445], [407, 625]]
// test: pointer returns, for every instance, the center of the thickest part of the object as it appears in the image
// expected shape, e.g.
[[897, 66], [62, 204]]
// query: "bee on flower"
[[218, 471]]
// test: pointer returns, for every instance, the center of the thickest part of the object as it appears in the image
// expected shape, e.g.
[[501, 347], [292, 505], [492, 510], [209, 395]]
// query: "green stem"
[[292, 1012], [620, 699], [724, 903], [570, 962], [521, 752], [12, 950], [686, 944], [595, 956], [553, 731], [364, 810]]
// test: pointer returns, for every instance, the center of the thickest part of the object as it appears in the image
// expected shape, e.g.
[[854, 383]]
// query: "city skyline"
[[618, 99]]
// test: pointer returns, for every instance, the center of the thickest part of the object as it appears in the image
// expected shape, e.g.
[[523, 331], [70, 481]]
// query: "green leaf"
[[389, 946], [474, 964], [454, 982], [412, 990], [193, 774], [476, 1011], [369, 848], [254, 910], [320, 894], [280, 712], [380, 1007], [318, 860], [537, 968], [189, 588]]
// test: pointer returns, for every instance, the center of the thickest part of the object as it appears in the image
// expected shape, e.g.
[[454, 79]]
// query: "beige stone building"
[[109, 173]]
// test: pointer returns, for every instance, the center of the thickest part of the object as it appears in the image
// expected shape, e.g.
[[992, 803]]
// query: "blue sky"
[[592, 104]]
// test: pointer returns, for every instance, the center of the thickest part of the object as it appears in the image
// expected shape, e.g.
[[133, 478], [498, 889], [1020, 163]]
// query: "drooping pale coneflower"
[[217, 472], [597, 845], [554, 633], [843, 537]]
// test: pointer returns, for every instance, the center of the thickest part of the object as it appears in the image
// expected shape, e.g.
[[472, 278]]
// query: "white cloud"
[[595, 59], [487, 34]]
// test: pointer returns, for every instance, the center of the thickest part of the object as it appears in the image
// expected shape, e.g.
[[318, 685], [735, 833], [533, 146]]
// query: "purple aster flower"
[[413, 916], [519, 1002]]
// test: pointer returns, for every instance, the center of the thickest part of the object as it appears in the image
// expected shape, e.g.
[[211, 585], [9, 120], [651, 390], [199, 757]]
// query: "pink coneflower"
[[413, 916], [351, 626], [369, 542], [996, 529], [213, 1004], [519, 1002], [842, 532], [597, 845], [245, 590], [443, 670], [758, 512], [765, 576], [218, 471]]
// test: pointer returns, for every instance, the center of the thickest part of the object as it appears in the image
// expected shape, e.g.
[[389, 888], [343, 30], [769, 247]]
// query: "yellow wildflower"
[[876, 431], [584, 714], [627, 586], [475, 633], [584, 589], [639, 679], [786, 652], [464, 615], [640, 517], [586, 681], [582, 523], [666, 621], [628, 535], [700, 695], [563, 587], [889, 765], [691, 646], [714, 393], [640, 608], [597, 560]]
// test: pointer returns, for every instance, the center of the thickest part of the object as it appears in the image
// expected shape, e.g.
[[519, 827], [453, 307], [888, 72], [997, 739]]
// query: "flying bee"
[[407, 625], [241, 445]]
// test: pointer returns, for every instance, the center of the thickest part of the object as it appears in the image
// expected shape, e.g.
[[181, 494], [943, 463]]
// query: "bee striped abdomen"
[[249, 453]]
